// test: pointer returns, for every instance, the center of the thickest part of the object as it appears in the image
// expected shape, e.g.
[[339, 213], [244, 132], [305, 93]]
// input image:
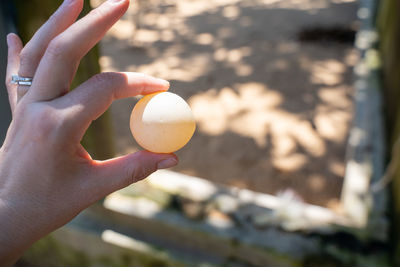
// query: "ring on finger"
[[16, 79]]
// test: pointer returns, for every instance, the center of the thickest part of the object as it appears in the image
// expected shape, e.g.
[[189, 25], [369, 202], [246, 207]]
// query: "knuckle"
[[97, 13], [24, 55], [8, 82], [144, 81], [54, 18], [26, 60], [105, 77], [140, 172], [137, 174], [142, 77], [29, 59], [107, 81], [57, 48], [43, 120]]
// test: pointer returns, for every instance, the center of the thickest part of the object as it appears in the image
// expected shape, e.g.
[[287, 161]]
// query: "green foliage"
[[47, 252]]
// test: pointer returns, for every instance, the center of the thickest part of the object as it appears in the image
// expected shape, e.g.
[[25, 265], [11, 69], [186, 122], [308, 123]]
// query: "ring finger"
[[14, 49]]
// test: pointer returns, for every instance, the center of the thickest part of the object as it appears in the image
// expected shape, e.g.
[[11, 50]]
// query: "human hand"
[[46, 176]]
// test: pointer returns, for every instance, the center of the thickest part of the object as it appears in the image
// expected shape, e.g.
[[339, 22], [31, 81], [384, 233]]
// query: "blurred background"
[[272, 87], [269, 82]]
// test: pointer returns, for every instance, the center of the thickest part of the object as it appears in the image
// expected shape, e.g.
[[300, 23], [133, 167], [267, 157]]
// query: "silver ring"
[[15, 79]]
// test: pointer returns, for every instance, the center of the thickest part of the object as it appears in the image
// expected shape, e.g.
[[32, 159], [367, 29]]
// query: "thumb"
[[113, 174]]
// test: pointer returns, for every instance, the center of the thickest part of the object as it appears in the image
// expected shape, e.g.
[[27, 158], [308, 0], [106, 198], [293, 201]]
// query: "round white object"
[[162, 122]]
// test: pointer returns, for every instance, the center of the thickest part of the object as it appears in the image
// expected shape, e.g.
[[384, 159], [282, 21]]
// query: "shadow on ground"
[[273, 108]]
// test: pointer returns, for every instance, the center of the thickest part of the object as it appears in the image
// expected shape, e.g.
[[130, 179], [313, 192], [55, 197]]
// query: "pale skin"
[[46, 176]]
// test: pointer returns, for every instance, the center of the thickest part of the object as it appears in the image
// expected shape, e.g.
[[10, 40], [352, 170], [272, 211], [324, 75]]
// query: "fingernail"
[[163, 82], [69, 2], [9, 40], [116, 1], [167, 163]]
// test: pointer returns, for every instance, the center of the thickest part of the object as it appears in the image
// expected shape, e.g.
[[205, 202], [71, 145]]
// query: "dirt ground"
[[269, 82]]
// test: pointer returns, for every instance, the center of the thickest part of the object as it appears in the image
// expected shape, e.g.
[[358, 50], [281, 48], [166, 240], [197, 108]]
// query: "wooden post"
[[30, 15], [389, 32]]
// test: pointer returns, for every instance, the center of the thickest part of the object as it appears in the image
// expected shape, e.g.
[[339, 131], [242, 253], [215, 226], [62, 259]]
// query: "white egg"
[[162, 122]]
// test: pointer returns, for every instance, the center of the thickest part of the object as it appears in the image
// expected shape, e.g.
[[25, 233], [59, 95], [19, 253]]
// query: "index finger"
[[92, 98]]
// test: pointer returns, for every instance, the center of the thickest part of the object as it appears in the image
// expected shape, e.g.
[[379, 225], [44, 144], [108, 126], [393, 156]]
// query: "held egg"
[[162, 122]]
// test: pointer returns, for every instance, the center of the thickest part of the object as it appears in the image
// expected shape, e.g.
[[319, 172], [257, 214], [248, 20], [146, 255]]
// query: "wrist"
[[16, 234]]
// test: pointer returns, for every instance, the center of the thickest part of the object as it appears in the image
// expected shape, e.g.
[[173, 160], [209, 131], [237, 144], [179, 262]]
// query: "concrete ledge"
[[139, 223], [71, 246]]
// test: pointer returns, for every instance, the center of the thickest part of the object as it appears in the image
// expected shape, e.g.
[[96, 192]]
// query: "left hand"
[[46, 176]]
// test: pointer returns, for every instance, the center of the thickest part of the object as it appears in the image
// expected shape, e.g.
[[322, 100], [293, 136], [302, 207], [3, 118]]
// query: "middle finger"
[[33, 51], [61, 59]]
